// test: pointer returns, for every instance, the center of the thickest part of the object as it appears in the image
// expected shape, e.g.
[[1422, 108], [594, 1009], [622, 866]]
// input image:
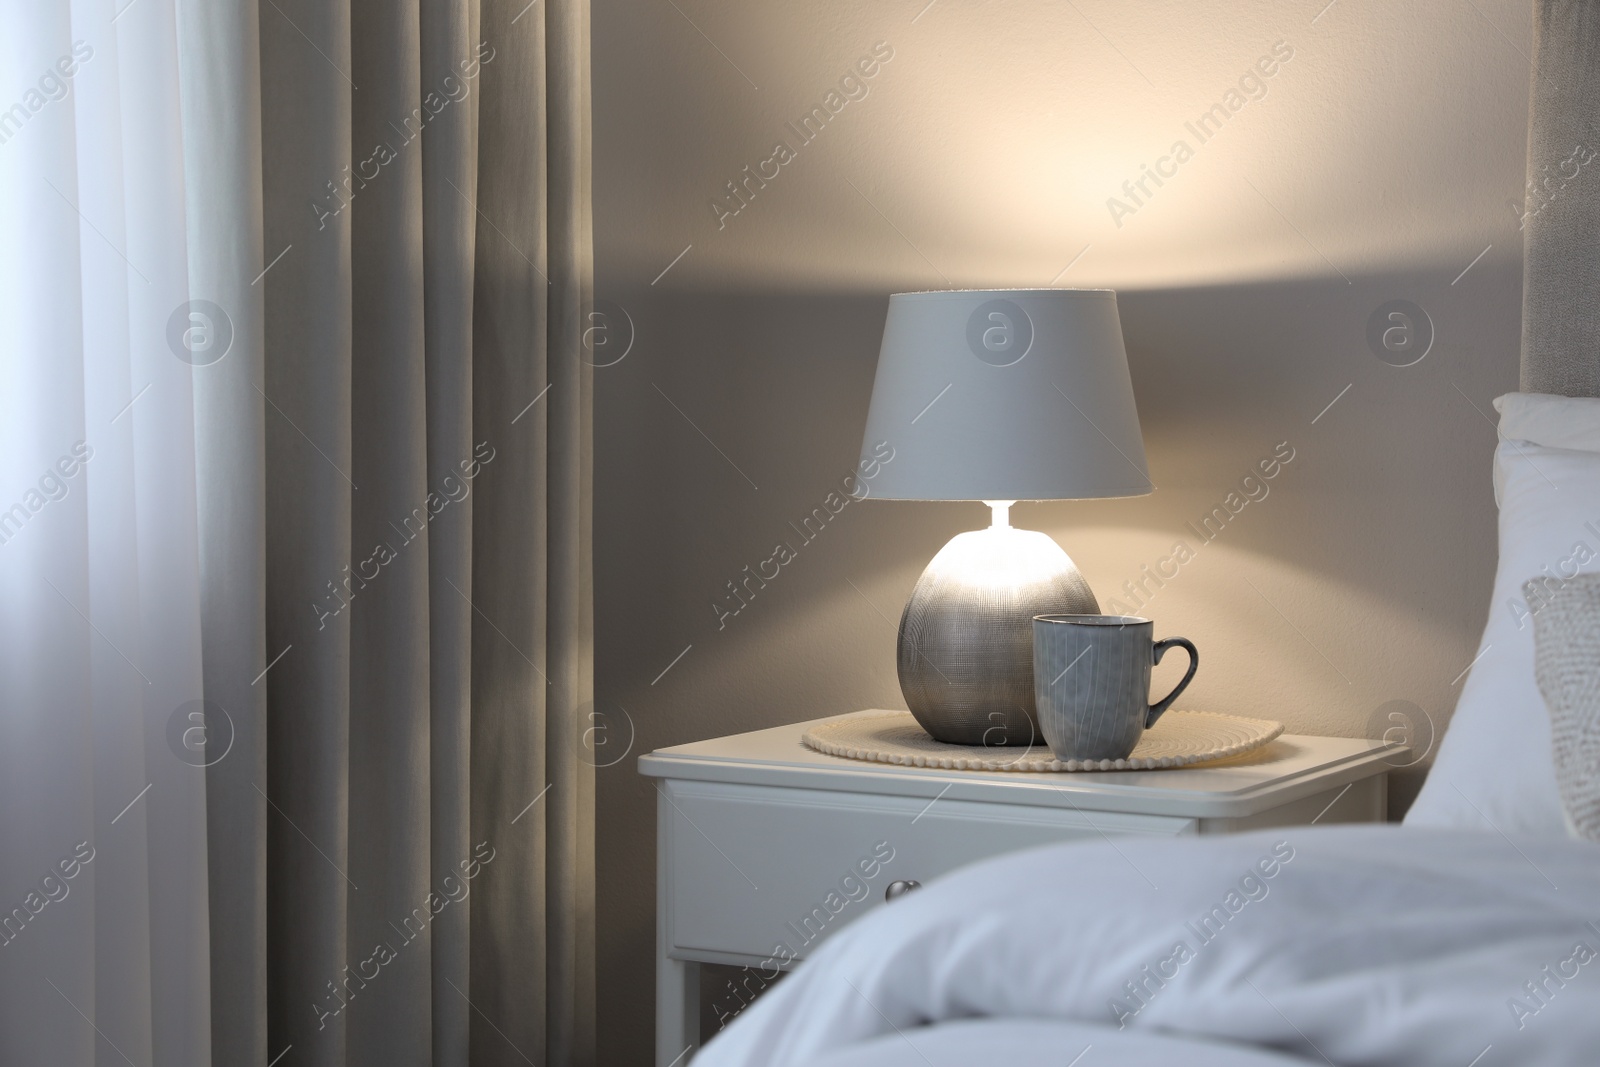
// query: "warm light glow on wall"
[[991, 149]]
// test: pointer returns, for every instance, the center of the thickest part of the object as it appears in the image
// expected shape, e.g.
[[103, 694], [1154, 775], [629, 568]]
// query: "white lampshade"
[[1005, 394]]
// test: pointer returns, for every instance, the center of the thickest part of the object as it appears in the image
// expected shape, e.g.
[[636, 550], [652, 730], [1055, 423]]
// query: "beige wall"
[[1376, 166]]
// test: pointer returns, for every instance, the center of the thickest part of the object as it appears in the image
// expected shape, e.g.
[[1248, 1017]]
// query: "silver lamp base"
[[965, 651]]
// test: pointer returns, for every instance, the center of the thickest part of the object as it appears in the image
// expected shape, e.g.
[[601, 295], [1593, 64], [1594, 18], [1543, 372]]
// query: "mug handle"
[[1156, 652]]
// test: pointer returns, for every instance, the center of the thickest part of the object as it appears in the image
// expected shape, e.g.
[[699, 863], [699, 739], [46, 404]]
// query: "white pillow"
[[1552, 421], [1495, 769]]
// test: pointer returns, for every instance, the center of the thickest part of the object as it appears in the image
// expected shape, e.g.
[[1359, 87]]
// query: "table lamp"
[[997, 396]]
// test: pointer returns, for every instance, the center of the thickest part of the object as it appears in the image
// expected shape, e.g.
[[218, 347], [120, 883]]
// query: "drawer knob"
[[900, 888]]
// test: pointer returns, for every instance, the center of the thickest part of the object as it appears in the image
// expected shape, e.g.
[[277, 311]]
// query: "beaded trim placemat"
[[1178, 739]]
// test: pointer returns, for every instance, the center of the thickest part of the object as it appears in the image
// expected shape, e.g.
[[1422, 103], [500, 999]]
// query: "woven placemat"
[[1178, 739]]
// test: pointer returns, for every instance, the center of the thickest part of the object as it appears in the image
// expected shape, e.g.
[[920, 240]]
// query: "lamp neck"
[[1001, 512]]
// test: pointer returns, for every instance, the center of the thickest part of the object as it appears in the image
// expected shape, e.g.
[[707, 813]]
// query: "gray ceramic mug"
[[1091, 682]]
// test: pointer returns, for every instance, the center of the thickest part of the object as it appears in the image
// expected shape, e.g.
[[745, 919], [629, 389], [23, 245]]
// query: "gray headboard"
[[1561, 259]]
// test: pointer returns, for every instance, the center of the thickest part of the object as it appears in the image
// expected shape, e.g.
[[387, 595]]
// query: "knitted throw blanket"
[[1567, 668]]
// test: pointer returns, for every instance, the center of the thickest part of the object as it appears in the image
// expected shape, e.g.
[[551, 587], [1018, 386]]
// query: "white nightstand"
[[763, 842]]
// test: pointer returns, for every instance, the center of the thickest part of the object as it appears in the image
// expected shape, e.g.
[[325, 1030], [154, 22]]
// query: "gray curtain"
[[394, 472], [1561, 213]]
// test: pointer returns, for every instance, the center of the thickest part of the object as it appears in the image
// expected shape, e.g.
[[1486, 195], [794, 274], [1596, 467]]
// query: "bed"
[[1345, 945]]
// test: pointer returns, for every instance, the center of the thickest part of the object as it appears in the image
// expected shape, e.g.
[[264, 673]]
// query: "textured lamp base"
[[966, 637]]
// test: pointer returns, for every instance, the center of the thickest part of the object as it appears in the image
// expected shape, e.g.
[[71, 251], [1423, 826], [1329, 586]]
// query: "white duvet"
[[1344, 945]]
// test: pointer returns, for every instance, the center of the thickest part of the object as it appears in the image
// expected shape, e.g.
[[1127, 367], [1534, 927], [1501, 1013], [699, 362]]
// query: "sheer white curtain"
[[103, 911]]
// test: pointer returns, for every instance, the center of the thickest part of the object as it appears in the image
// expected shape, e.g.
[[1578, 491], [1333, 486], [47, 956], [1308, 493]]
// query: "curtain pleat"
[[165, 530], [390, 838], [306, 90], [570, 871], [511, 697], [123, 877], [449, 38], [64, 686], [222, 161]]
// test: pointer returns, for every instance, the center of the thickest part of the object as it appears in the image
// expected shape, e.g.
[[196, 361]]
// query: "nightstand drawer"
[[751, 868]]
